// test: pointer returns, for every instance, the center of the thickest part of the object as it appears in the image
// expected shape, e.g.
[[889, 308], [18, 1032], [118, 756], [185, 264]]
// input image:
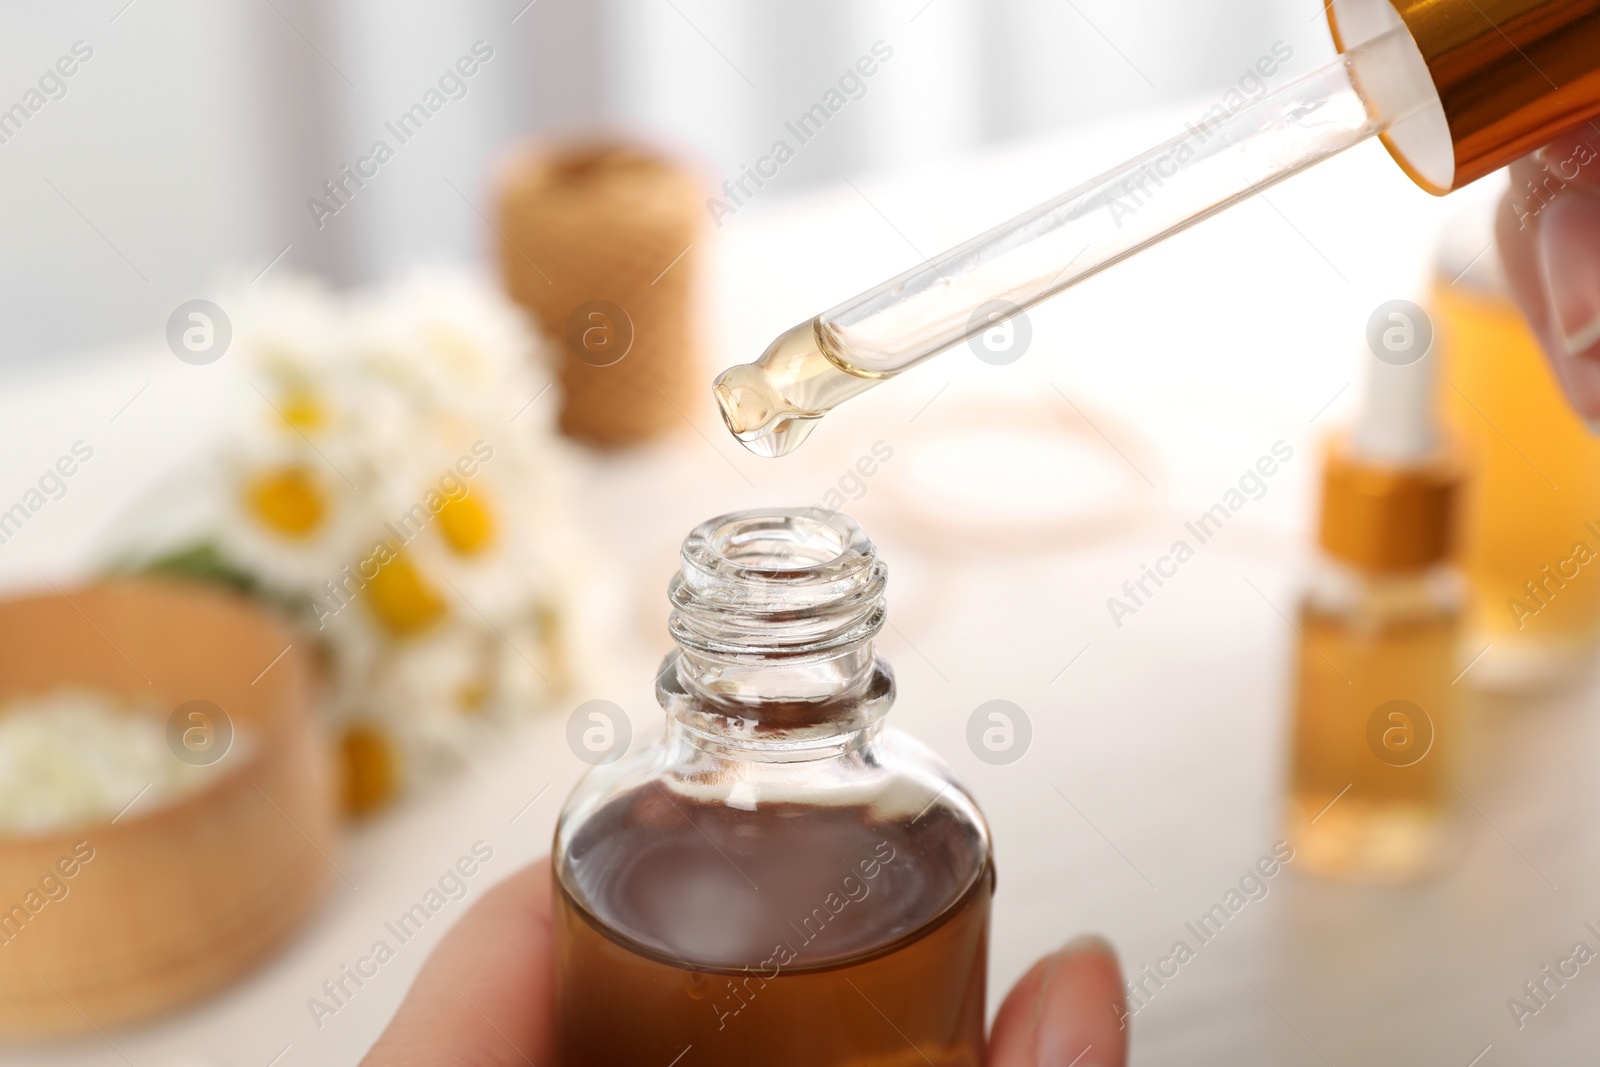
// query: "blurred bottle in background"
[[1376, 722], [1531, 521]]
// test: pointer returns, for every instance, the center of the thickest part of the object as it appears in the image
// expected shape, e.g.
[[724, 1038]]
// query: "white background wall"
[[184, 152]]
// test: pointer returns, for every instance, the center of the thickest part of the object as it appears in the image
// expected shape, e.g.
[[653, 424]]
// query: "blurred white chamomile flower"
[[386, 480]]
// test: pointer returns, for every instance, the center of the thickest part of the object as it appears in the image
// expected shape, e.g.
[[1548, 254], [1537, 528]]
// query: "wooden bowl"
[[167, 903]]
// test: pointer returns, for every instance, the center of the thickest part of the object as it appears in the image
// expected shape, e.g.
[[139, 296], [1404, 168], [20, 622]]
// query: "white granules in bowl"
[[75, 756]]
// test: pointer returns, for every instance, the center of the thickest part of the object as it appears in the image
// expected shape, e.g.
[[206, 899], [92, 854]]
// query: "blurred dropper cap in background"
[[1390, 487]]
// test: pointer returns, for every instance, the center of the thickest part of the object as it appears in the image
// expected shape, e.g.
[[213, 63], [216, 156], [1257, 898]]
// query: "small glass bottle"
[[779, 879], [1531, 525], [1376, 721]]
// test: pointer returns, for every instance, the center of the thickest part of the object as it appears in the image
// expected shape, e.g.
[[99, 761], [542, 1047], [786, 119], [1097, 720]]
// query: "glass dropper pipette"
[[1459, 88], [771, 405]]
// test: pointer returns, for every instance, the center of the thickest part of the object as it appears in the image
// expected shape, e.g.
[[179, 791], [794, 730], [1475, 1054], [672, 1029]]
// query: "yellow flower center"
[[286, 501], [401, 599], [371, 769], [467, 525], [301, 410]]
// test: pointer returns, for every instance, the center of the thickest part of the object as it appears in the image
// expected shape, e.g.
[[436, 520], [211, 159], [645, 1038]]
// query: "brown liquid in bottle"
[[701, 935], [1374, 804]]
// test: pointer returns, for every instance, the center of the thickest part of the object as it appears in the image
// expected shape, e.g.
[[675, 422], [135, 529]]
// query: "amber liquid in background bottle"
[[1376, 730], [851, 911], [1535, 490]]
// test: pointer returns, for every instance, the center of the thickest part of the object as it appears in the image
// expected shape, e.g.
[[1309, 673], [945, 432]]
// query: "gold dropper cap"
[[1511, 74], [1387, 517]]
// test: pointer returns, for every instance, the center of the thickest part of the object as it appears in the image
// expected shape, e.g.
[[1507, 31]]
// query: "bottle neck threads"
[[774, 612]]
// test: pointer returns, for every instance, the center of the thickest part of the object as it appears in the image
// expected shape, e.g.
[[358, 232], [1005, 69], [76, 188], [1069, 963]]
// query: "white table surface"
[[1168, 734]]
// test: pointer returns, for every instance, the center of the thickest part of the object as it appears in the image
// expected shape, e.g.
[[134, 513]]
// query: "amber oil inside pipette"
[[773, 404]]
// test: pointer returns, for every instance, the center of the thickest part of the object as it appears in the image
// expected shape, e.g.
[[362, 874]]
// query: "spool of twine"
[[600, 243]]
